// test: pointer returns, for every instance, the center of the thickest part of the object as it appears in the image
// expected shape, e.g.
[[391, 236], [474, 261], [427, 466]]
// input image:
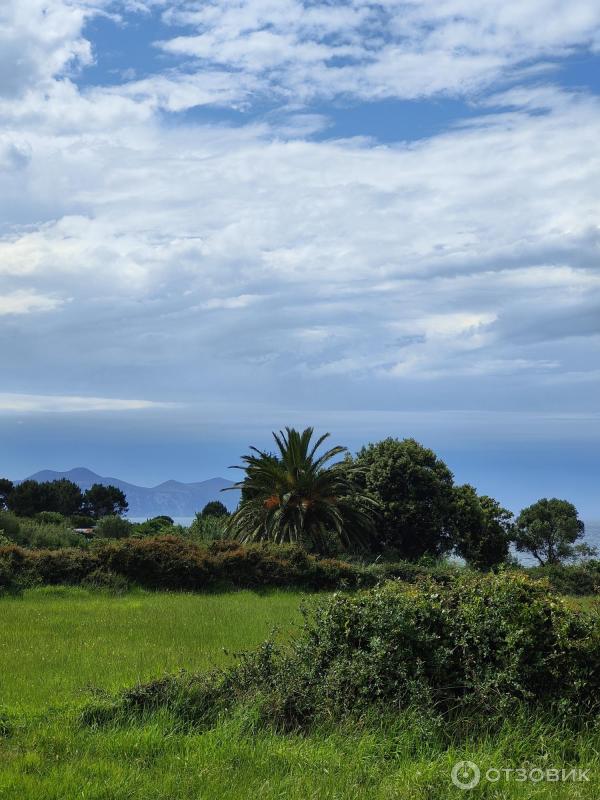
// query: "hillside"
[[171, 497]]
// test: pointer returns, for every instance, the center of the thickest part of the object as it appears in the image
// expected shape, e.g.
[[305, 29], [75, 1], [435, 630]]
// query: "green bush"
[[206, 528], [36, 534], [576, 579], [411, 571], [110, 582], [178, 563], [113, 528], [9, 525], [153, 526], [50, 518], [172, 562], [11, 580], [482, 645], [82, 521]]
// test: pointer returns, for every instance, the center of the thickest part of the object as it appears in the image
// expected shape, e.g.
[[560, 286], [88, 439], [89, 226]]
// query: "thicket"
[[177, 563], [173, 563], [481, 646]]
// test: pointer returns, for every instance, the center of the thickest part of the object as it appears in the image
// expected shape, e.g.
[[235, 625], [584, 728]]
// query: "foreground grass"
[[56, 643], [156, 760]]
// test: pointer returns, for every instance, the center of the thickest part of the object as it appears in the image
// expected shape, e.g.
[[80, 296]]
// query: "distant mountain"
[[171, 497]]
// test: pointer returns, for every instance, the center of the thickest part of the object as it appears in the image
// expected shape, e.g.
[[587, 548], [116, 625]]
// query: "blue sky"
[[217, 218]]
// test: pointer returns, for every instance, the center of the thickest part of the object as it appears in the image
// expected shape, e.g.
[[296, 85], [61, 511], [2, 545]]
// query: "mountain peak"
[[170, 497]]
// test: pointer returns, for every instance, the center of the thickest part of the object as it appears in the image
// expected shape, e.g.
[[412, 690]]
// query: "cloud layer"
[[143, 254]]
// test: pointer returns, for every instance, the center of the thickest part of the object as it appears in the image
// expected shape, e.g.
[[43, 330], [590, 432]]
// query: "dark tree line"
[[28, 498]]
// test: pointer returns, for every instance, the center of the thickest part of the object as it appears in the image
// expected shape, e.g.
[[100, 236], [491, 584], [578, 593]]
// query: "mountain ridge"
[[171, 497]]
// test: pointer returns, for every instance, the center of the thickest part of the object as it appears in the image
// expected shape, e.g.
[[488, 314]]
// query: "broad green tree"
[[549, 530], [33, 497], [297, 495], [215, 508], [104, 501], [30, 497], [413, 489], [67, 497], [482, 528]]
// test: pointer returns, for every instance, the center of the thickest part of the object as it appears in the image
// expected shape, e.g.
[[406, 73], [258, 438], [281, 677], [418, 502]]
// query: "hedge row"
[[171, 562]]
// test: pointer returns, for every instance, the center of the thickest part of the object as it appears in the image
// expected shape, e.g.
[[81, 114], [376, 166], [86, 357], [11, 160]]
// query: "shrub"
[[166, 562], [215, 508], [36, 534], [110, 582], [410, 571], [68, 566], [113, 527], [9, 525], [576, 579], [207, 528], [172, 562], [50, 518], [82, 521], [155, 526], [483, 644], [11, 581]]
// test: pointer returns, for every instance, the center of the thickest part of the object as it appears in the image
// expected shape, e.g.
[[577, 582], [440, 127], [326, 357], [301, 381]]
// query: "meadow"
[[57, 642], [60, 647]]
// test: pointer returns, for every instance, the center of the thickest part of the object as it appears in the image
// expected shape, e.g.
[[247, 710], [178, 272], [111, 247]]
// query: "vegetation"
[[30, 498], [483, 645], [104, 501], [299, 497], [215, 509], [59, 643], [394, 499], [548, 530], [416, 664], [482, 529], [413, 490], [56, 642], [172, 562], [207, 528], [113, 527]]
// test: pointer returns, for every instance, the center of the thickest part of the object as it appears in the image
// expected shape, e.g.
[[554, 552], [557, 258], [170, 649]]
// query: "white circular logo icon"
[[465, 775]]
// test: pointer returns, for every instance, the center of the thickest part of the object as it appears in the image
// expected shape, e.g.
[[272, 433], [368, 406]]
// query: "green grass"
[[589, 603], [54, 643]]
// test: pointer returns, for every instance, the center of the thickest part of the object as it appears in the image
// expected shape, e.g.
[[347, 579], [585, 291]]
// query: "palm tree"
[[298, 497]]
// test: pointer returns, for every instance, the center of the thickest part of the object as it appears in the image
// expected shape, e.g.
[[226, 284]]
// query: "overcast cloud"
[[149, 255]]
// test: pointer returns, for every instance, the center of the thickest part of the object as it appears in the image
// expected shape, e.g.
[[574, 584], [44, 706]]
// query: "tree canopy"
[[104, 501], [298, 496], [482, 528], [548, 530], [413, 489], [215, 508]]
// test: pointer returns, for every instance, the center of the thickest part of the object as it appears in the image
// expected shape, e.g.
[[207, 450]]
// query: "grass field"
[[55, 644]]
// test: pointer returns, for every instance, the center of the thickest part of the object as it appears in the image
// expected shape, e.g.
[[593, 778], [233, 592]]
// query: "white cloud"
[[265, 260], [470, 253], [24, 302], [38, 40], [398, 48], [29, 403]]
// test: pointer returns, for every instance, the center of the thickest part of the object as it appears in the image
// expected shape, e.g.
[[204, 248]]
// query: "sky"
[[379, 219]]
